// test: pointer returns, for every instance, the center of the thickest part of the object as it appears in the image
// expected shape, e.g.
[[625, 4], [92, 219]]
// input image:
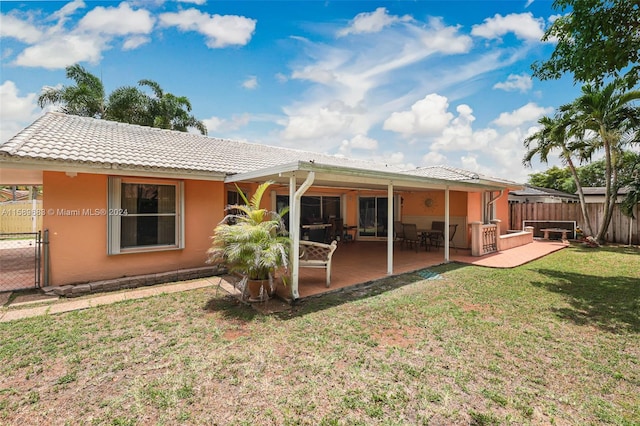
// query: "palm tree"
[[168, 111], [555, 135], [125, 104], [604, 117], [86, 98], [128, 104]]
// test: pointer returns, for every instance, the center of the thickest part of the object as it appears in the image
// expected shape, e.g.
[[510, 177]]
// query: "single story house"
[[122, 200], [596, 194], [536, 194]]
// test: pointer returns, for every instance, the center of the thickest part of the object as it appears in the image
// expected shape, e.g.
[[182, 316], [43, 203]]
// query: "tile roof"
[[88, 142], [601, 190], [530, 190], [454, 174], [80, 140]]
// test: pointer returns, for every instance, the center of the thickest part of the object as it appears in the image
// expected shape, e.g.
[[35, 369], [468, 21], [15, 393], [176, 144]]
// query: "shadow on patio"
[[363, 262]]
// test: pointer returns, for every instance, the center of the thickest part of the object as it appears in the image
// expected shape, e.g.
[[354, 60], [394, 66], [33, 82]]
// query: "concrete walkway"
[[67, 305]]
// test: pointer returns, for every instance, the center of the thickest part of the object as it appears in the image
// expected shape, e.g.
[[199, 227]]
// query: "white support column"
[[294, 227], [390, 228], [446, 224]]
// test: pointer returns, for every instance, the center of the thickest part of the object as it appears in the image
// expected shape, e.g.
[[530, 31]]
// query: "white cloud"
[[443, 39], [65, 11], [221, 125], [62, 51], [515, 82], [529, 3], [12, 27], [523, 25], [221, 31], [281, 78], [362, 142], [58, 47], [528, 113], [318, 123], [250, 83], [433, 158], [372, 22], [427, 117], [121, 20], [15, 111], [198, 2], [134, 42], [458, 134]]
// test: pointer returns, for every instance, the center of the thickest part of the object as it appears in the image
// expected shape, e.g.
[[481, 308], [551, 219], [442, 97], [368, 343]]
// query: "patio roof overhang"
[[356, 178], [307, 173]]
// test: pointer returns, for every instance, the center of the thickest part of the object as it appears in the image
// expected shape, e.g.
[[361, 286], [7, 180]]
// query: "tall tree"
[[558, 178], [126, 104], [555, 135], [168, 111], [596, 39], [86, 98], [606, 118]]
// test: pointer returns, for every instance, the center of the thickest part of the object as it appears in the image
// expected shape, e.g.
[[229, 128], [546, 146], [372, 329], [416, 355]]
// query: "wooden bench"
[[317, 255], [547, 231]]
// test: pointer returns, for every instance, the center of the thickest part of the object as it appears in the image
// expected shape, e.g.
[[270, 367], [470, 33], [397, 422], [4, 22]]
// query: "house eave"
[[337, 176], [8, 163]]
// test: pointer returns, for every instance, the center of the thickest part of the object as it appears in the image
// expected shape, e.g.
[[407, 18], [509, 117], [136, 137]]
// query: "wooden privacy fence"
[[618, 231], [21, 216]]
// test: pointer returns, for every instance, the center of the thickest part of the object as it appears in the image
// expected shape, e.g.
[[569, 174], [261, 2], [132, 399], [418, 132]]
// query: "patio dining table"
[[428, 234]]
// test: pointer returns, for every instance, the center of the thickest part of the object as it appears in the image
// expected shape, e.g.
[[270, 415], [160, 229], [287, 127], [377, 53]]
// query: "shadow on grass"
[[362, 291], [232, 308], [609, 303]]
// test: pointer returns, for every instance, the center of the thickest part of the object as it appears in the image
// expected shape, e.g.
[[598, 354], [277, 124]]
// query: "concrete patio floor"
[[353, 263], [360, 262]]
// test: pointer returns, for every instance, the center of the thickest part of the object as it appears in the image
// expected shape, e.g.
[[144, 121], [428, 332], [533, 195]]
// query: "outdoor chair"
[[317, 255], [437, 238], [337, 229], [452, 233], [411, 236], [398, 229]]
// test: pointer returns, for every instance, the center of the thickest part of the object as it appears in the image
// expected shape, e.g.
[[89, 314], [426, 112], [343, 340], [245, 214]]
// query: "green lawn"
[[556, 341]]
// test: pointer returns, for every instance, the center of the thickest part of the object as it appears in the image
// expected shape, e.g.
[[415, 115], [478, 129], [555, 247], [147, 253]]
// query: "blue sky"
[[409, 83]]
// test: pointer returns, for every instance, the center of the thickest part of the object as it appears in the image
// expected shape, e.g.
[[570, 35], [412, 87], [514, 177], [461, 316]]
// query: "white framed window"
[[145, 215]]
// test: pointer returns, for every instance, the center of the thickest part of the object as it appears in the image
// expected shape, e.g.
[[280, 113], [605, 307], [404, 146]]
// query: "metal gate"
[[20, 255]]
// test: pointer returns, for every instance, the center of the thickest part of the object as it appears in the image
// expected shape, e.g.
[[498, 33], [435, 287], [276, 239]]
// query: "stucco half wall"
[[78, 242]]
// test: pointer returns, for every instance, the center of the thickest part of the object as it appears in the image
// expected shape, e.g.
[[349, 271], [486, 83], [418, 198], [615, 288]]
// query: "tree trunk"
[[611, 183], [583, 205]]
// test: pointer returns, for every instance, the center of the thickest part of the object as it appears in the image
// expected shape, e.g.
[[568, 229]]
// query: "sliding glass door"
[[373, 217]]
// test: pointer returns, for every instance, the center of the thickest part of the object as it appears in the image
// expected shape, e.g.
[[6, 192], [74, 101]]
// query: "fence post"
[[45, 257]]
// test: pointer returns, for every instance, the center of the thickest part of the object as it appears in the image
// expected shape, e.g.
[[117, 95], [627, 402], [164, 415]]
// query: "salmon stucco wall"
[[78, 239], [416, 204], [502, 212]]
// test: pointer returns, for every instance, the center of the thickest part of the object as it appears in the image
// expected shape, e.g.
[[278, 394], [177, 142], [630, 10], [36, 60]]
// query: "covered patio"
[[361, 262]]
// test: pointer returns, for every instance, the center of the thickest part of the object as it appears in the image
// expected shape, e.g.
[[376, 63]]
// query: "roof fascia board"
[[109, 169], [382, 178], [263, 173]]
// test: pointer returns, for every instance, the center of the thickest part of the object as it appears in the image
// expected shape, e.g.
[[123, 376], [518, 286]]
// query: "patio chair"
[[317, 255], [398, 229], [411, 236], [436, 238], [452, 233]]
